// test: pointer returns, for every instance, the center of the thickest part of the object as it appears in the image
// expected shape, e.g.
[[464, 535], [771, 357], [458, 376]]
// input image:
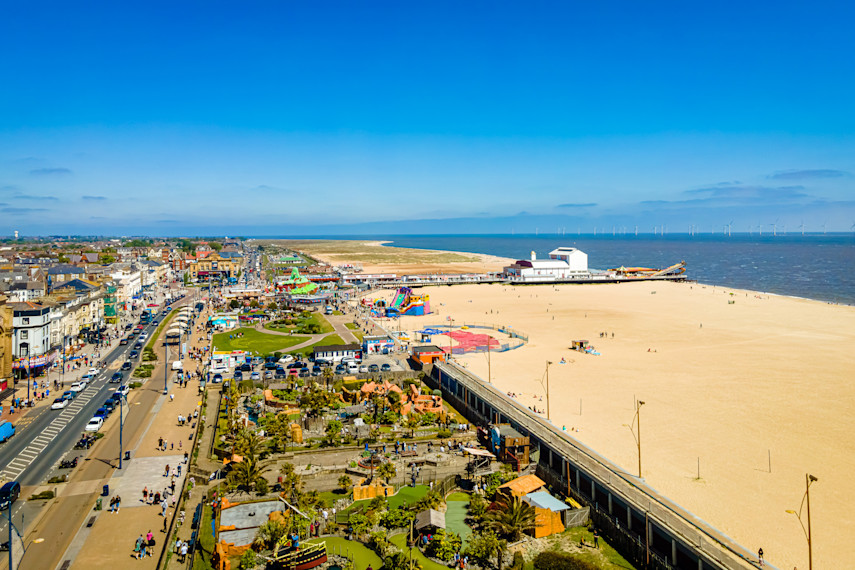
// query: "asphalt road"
[[32, 456]]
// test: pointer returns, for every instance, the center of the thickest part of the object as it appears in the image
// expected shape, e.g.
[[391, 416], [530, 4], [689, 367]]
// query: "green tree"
[[271, 306], [477, 507], [269, 533], [395, 401], [379, 403], [215, 245], [315, 400], [106, 259], [292, 484], [510, 518], [444, 545], [484, 546], [360, 524], [412, 422], [248, 560], [333, 431], [186, 279], [397, 518], [245, 474], [345, 483], [234, 304], [253, 304], [387, 470]]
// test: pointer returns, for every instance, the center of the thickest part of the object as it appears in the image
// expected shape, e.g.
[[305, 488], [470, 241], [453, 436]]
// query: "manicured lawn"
[[330, 497], [255, 342], [405, 496], [351, 326], [206, 542], [400, 540], [329, 339], [361, 555]]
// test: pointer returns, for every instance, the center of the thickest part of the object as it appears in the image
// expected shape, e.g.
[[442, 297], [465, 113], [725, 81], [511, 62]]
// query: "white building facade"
[[563, 263]]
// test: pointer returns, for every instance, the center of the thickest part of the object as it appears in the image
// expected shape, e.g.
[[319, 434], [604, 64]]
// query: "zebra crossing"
[[39, 443]]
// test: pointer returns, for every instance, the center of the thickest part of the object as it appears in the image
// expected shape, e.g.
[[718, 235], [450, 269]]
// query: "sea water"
[[813, 266]]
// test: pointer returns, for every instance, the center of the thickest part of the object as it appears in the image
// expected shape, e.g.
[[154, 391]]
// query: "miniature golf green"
[[405, 495], [362, 556], [455, 515]]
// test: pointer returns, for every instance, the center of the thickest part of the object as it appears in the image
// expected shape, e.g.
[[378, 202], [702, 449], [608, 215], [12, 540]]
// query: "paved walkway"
[[146, 469]]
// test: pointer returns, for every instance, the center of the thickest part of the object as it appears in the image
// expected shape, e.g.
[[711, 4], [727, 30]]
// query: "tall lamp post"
[[635, 428], [809, 479], [546, 387], [121, 426]]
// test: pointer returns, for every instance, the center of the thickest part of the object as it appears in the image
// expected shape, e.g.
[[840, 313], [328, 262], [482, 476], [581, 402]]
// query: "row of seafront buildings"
[[51, 304]]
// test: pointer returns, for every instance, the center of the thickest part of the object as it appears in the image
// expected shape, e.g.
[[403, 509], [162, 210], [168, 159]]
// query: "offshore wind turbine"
[[803, 227]]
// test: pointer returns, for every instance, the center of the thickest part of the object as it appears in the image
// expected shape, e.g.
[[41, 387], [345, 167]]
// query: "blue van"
[[7, 430]]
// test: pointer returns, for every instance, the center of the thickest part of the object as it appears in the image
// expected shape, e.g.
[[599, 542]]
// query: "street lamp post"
[[548, 362], [121, 426], [636, 425], [809, 479]]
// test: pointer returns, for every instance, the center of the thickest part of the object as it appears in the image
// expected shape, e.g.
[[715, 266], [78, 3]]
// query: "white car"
[[123, 389], [78, 386], [59, 404], [143, 336], [363, 369], [94, 424], [285, 359], [93, 371]]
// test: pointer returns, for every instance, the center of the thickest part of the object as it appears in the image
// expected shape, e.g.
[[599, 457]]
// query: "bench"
[[90, 522], [65, 565]]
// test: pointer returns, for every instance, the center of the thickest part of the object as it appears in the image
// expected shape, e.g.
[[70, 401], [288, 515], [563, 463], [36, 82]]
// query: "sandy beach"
[[726, 385], [378, 257]]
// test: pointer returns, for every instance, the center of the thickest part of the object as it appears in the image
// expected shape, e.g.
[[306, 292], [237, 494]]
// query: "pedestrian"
[[138, 547], [166, 471], [183, 552], [596, 539], [760, 557], [163, 506], [118, 503], [145, 494]]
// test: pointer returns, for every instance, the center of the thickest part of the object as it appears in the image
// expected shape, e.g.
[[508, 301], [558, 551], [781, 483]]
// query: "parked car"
[[123, 389], [126, 365], [217, 378], [102, 413], [94, 424], [123, 341], [363, 369], [93, 371], [270, 365], [255, 376], [77, 386], [304, 373], [109, 404], [374, 368], [245, 367], [116, 377], [285, 359], [69, 395], [386, 368], [59, 403], [238, 375], [340, 369], [134, 354]]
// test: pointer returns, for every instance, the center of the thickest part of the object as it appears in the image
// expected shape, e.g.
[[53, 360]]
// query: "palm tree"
[[247, 443], [387, 470], [328, 376], [245, 473], [510, 517], [344, 483], [270, 532]]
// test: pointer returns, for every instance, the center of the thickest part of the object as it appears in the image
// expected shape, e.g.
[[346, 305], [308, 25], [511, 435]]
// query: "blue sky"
[[324, 117]]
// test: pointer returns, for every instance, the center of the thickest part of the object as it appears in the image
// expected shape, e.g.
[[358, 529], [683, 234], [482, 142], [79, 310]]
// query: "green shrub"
[[444, 545], [134, 385], [261, 486], [560, 561], [248, 560], [443, 433], [519, 561], [41, 496]]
